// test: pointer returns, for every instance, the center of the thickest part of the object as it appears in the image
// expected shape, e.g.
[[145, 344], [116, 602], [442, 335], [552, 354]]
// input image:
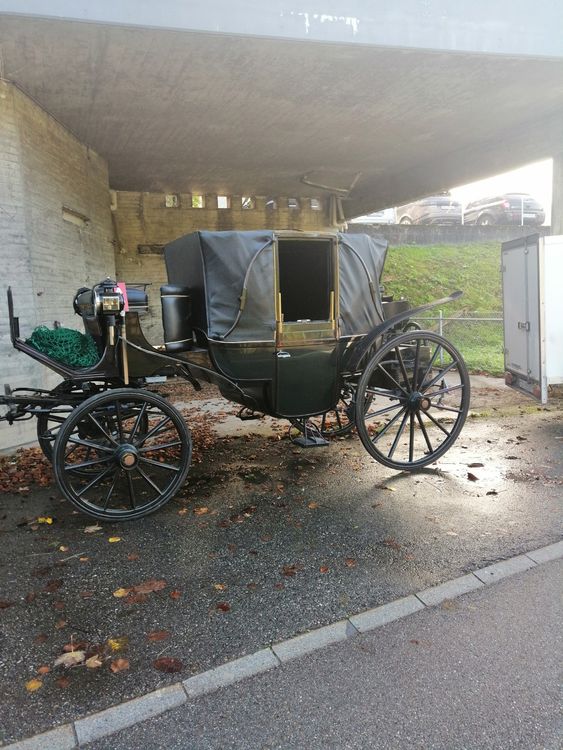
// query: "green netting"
[[65, 345]]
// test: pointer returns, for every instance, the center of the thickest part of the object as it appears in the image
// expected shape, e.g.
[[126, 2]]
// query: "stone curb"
[[505, 568], [60, 738], [449, 590], [111, 720], [303, 644], [375, 618], [546, 554], [232, 671], [126, 714]]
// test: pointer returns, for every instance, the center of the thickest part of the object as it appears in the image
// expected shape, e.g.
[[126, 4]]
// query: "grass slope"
[[424, 273]]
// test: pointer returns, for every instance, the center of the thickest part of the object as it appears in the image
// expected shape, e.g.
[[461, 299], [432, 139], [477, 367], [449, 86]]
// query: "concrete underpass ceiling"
[[178, 111]]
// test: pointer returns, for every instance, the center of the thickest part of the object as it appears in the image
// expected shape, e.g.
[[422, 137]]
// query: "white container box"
[[532, 289]]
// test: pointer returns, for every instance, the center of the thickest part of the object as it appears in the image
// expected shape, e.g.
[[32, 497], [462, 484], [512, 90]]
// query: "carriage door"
[[306, 345]]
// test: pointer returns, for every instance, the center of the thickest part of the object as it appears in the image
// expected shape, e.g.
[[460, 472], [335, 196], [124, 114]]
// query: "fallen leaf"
[[32, 685], [390, 489], [290, 570], [58, 604], [118, 644], [324, 569], [279, 586], [175, 594], [70, 659], [84, 558], [451, 533], [183, 511], [119, 665], [492, 492], [86, 594], [40, 638], [92, 529], [133, 598], [220, 586], [43, 670], [120, 593], [53, 585], [350, 562], [476, 465], [168, 664], [61, 624], [472, 477], [5, 604], [132, 556], [75, 646], [94, 662], [223, 607], [62, 548], [149, 586], [112, 539], [313, 506], [158, 635], [44, 519], [30, 597], [393, 543], [201, 511], [63, 682]]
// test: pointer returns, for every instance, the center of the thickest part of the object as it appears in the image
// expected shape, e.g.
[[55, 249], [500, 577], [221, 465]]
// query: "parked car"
[[386, 216], [436, 209], [510, 208]]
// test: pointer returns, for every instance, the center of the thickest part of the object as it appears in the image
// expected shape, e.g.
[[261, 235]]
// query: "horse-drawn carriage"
[[286, 324]]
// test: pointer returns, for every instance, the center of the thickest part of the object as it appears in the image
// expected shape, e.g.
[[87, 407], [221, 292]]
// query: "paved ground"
[[267, 541], [480, 673]]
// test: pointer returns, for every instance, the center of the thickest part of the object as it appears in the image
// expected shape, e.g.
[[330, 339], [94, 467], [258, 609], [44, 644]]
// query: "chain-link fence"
[[477, 335]]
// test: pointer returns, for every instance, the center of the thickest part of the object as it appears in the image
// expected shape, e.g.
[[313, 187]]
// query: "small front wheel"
[[122, 454], [412, 400]]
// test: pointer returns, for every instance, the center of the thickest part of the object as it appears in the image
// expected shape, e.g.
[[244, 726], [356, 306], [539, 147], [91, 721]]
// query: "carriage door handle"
[[283, 355]]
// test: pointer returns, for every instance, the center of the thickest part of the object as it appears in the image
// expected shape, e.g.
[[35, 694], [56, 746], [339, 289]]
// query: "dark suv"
[[510, 208], [436, 209]]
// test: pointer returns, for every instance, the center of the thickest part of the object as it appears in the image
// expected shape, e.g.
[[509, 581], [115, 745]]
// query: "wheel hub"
[[418, 402], [127, 456]]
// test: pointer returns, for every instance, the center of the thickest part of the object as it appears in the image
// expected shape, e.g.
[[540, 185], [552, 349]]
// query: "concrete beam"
[[557, 195], [505, 27]]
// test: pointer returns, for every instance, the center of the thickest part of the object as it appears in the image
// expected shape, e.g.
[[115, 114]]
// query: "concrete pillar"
[[557, 198]]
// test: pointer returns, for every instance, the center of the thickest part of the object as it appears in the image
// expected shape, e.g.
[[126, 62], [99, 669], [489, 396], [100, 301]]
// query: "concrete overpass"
[[379, 102]]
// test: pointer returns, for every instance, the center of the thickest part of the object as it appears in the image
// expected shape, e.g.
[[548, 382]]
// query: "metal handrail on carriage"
[[287, 324]]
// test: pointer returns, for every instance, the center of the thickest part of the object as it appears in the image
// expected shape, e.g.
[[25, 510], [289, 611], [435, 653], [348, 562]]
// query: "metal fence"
[[477, 335]]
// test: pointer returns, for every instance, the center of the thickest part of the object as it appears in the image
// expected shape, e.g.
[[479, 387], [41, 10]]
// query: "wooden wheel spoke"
[[425, 386], [389, 424], [93, 419], [448, 389], [86, 464], [415, 366], [398, 435], [424, 432], [411, 437], [155, 430], [402, 366], [111, 489], [431, 418], [90, 444], [148, 480], [93, 482], [160, 464], [132, 498], [137, 423], [392, 379], [387, 409], [150, 448]]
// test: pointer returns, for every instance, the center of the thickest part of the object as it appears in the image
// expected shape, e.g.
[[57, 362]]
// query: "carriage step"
[[310, 436]]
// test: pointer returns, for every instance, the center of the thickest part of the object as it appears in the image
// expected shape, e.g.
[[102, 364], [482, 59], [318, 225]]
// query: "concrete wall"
[[143, 223], [43, 168], [413, 234]]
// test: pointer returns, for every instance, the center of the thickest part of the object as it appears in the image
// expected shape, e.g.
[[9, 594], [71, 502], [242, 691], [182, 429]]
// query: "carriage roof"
[[231, 277]]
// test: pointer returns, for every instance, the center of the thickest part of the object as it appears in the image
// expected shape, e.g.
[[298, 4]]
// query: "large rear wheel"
[[412, 400], [122, 454]]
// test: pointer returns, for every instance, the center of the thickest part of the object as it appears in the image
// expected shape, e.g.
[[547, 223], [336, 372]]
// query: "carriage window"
[[223, 201], [305, 279]]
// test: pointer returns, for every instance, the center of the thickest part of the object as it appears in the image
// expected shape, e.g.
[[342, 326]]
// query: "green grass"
[[425, 273]]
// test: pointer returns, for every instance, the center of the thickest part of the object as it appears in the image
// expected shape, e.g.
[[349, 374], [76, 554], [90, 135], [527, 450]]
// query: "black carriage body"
[[277, 312]]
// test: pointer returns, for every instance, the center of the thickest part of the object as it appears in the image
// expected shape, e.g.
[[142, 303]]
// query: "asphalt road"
[[290, 540], [480, 673]]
